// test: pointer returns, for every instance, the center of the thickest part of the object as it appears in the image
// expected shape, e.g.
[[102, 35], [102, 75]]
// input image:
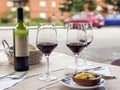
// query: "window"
[[53, 16], [53, 4], [42, 15], [42, 3], [10, 4], [16, 3], [62, 5]]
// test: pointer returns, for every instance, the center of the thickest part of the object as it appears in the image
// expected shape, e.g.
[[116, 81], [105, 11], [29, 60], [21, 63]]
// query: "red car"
[[96, 19]]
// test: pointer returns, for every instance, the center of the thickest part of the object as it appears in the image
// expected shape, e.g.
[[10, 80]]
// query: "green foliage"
[[114, 3], [78, 5], [12, 15], [65, 7], [4, 20], [92, 6], [72, 12], [73, 5], [109, 1], [59, 23], [10, 18], [118, 5], [36, 21]]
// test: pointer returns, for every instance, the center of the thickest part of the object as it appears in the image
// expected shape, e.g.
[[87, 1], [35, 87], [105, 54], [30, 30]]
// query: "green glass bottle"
[[20, 40]]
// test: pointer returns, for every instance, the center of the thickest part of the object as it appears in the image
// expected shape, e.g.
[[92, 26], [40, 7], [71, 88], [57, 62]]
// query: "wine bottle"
[[20, 40]]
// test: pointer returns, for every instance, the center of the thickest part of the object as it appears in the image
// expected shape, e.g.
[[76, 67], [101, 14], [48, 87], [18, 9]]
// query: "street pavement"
[[105, 46]]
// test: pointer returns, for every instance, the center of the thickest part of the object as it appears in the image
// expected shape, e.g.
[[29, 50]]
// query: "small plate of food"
[[83, 80]]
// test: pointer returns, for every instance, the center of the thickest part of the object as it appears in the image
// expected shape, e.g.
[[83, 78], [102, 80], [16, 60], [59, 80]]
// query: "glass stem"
[[85, 54], [47, 66], [76, 63]]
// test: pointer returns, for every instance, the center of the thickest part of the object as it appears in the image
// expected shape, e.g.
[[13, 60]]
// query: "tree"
[[115, 3], [92, 6], [72, 6], [10, 17], [118, 5]]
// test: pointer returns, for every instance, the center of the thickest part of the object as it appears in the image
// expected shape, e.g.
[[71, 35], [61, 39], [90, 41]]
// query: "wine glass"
[[75, 41], [87, 26], [46, 41]]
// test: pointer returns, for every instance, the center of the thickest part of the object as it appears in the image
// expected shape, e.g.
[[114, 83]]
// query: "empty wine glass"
[[75, 41], [46, 41], [87, 26]]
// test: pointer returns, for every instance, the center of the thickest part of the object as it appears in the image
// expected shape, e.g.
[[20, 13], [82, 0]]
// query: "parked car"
[[112, 19], [97, 20]]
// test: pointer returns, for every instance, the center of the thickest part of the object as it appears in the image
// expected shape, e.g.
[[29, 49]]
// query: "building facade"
[[4, 6], [47, 9]]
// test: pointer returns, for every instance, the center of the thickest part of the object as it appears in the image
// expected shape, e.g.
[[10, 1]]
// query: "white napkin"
[[7, 82], [104, 70]]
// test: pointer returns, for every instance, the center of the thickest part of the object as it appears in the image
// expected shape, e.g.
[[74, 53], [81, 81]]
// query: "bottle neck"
[[20, 25], [20, 21], [20, 14]]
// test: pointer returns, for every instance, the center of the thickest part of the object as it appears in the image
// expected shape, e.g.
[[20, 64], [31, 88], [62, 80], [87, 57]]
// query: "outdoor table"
[[58, 61]]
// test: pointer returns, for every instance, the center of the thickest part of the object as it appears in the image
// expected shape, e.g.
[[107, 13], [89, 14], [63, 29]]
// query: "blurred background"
[[104, 14], [57, 11]]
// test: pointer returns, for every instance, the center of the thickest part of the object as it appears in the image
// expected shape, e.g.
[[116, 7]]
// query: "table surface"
[[57, 61]]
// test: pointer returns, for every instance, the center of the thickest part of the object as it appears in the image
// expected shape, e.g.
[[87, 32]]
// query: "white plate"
[[70, 83]]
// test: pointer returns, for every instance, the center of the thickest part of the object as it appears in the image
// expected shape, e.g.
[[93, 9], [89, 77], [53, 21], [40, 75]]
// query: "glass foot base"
[[85, 64], [47, 78]]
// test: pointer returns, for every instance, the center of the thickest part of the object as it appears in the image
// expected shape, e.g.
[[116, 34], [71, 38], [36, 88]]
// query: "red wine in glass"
[[76, 47], [46, 41], [89, 41], [46, 47], [89, 38]]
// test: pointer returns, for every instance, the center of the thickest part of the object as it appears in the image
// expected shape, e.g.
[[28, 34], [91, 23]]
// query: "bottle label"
[[21, 45]]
